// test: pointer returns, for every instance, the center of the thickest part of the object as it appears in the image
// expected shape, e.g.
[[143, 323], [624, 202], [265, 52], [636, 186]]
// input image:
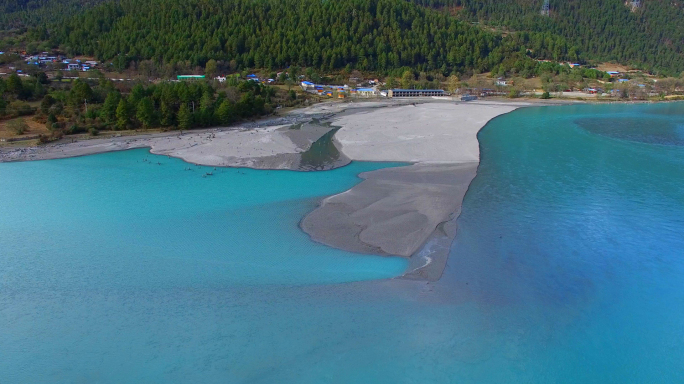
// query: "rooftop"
[[417, 90]]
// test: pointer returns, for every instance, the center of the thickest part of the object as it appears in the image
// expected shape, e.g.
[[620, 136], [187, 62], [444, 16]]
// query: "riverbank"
[[405, 211]]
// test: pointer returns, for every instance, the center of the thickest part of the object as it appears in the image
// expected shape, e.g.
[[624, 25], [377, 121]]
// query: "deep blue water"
[[567, 268]]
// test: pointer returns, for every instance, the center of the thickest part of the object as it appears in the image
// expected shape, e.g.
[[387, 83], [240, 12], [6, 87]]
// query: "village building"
[[415, 92], [190, 77], [365, 92], [307, 85]]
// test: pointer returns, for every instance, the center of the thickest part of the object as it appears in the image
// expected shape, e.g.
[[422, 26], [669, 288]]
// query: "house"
[[365, 92], [189, 77], [85, 68], [502, 83], [613, 73], [415, 92], [252, 77], [220, 79], [74, 66], [307, 85], [91, 63]]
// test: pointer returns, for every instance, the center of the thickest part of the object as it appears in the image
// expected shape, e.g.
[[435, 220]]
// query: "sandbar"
[[407, 211]]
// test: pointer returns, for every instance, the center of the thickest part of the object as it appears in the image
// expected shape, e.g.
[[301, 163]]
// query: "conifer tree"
[[122, 120], [184, 117], [145, 112]]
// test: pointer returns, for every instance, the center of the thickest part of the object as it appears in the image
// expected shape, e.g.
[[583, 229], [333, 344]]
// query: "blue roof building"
[[415, 92]]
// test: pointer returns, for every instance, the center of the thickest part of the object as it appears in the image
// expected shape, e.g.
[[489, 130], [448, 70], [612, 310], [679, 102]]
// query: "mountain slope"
[[379, 35], [16, 14], [651, 37], [365, 34]]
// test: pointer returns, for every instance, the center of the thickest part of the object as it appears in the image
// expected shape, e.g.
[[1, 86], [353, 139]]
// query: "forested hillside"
[[15, 14], [651, 37], [374, 35]]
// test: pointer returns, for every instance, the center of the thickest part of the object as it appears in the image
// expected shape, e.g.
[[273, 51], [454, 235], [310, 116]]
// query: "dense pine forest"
[[373, 35], [377, 35], [650, 37], [21, 14]]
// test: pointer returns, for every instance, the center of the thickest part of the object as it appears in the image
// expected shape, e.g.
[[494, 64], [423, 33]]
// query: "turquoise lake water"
[[567, 267]]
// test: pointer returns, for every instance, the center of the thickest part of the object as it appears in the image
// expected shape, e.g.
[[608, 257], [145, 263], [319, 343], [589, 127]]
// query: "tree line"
[[83, 106]]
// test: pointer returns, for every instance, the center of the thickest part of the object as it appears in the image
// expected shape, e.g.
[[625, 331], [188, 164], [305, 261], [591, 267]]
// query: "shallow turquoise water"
[[567, 268], [134, 220]]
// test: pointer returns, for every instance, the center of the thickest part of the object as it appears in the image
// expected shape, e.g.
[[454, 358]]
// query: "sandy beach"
[[268, 147], [406, 211]]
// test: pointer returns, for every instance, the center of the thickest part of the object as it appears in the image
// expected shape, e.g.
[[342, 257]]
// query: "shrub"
[[74, 129], [19, 108], [19, 126], [545, 95], [93, 131]]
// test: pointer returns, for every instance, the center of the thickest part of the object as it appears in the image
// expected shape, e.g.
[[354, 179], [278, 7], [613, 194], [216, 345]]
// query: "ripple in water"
[[642, 130]]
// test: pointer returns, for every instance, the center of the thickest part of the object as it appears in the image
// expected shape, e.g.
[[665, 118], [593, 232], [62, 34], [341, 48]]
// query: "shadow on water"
[[641, 130], [323, 154]]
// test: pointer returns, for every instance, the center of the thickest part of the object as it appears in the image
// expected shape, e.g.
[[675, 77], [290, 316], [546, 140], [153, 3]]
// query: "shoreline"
[[407, 211]]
